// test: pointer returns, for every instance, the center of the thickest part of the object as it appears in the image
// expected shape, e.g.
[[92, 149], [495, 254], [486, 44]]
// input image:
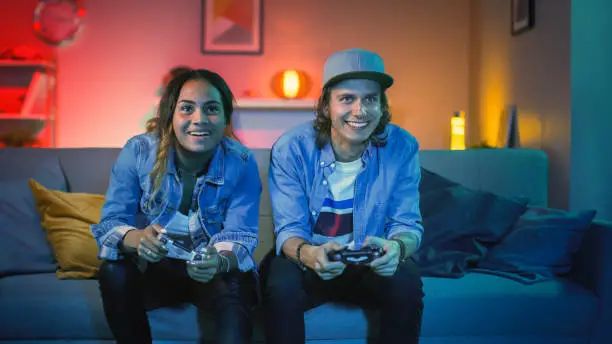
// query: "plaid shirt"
[[226, 200]]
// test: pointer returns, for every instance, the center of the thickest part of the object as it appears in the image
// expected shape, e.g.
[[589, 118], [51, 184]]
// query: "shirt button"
[[322, 163], [333, 165], [325, 182], [314, 213]]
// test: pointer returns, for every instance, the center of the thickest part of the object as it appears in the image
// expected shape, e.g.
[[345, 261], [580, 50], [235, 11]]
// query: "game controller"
[[203, 256], [177, 249], [360, 256], [198, 258]]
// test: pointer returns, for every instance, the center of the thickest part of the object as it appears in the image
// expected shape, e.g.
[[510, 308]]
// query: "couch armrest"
[[592, 268]]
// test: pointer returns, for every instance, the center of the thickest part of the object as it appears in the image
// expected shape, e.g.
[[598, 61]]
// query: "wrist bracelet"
[[402, 249], [298, 255], [122, 242], [224, 263]]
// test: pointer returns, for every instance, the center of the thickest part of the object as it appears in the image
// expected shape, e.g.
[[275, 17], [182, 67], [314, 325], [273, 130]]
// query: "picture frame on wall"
[[232, 27], [522, 16]]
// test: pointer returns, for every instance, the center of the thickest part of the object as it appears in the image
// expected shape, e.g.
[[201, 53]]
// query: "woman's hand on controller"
[[387, 264], [205, 270], [146, 243], [316, 259]]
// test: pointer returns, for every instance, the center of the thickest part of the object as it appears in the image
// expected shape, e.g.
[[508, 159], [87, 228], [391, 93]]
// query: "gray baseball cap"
[[355, 64]]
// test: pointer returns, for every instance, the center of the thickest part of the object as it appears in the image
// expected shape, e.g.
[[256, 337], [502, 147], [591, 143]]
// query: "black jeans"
[[127, 294], [289, 291]]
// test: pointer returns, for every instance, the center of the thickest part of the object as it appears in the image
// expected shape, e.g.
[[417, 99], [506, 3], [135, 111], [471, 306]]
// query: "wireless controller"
[[360, 256]]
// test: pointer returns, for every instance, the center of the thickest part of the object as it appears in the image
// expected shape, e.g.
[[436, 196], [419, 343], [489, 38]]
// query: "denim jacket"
[[226, 199], [386, 199]]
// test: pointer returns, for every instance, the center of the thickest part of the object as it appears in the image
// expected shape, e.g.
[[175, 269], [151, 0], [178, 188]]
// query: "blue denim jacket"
[[226, 199], [386, 200]]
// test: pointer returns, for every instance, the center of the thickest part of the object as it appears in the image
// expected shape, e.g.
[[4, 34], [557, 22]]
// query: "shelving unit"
[[271, 104], [28, 102]]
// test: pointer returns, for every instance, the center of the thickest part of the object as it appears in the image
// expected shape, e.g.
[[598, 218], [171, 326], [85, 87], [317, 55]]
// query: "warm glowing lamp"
[[291, 84], [458, 131]]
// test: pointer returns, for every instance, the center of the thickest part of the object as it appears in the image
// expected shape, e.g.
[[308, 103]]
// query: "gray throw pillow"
[[24, 248]]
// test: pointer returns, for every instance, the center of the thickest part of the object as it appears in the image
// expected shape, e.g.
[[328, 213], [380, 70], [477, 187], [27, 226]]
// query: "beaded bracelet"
[[224, 263], [402, 249], [299, 256]]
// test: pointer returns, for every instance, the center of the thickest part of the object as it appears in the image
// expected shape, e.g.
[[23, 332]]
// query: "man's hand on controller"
[[387, 264], [315, 257]]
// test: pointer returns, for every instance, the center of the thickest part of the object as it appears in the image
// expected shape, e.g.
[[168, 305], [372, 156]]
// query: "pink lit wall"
[[16, 26], [109, 76]]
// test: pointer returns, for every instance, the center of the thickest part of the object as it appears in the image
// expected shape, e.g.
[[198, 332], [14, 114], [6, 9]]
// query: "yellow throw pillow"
[[66, 217]]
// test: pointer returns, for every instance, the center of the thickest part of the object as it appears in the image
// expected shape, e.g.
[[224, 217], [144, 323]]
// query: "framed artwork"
[[232, 27], [523, 16]]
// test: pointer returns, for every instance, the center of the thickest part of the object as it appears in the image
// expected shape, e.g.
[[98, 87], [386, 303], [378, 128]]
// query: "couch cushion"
[[24, 247], [88, 169], [41, 306], [483, 305], [475, 305], [262, 157], [508, 172]]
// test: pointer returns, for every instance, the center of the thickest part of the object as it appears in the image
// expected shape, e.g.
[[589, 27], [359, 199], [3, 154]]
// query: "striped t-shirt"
[[335, 220]]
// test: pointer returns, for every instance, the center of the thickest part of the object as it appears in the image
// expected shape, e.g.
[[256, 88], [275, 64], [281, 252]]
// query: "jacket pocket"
[[213, 219]]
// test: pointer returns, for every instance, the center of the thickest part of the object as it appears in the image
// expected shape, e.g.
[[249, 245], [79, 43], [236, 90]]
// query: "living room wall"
[[591, 163], [531, 71], [109, 76]]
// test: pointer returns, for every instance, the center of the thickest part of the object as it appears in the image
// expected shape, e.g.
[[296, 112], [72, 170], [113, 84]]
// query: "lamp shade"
[[291, 84]]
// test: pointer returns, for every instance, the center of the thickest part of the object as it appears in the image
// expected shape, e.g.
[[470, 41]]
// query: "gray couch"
[[477, 308]]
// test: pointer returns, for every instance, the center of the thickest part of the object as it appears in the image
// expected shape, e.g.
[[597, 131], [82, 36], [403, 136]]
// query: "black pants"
[[127, 294], [289, 291]]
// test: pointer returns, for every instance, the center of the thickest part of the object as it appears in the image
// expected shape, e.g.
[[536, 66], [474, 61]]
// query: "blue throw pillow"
[[540, 246], [431, 181], [24, 248], [460, 224]]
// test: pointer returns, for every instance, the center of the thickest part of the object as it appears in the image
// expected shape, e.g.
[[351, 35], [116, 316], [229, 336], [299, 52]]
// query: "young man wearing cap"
[[350, 180]]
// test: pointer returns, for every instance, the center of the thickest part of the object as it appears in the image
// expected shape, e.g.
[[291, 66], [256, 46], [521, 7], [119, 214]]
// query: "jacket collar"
[[214, 174], [328, 157]]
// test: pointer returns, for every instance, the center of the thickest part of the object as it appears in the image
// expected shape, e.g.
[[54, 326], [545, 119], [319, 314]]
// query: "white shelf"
[[38, 107], [19, 116], [273, 104], [24, 126], [24, 63]]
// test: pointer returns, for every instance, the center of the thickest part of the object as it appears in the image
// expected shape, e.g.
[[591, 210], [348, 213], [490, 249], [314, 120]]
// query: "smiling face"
[[355, 111], [199, 118]]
